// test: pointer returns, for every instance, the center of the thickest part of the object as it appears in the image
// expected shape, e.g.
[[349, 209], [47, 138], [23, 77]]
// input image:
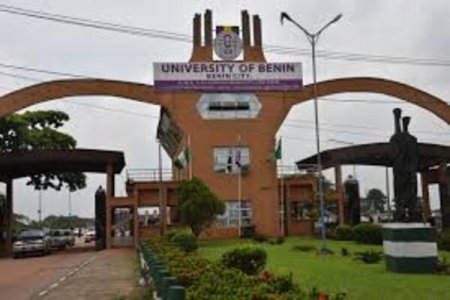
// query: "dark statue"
[[405, 155], [100, 219]]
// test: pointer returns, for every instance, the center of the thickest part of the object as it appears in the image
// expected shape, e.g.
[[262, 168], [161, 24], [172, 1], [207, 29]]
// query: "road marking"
[[54, 285], [42, 293]]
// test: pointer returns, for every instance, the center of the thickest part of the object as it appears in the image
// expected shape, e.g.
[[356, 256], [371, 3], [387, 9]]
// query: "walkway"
[[107, 274]]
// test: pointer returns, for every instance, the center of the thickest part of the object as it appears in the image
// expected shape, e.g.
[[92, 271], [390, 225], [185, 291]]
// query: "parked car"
[[31, 241], [89, 236], [68, 237], [57, 239]]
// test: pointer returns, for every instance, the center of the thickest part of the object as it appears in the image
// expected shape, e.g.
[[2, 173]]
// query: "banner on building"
[[168, 133], [227, 76]]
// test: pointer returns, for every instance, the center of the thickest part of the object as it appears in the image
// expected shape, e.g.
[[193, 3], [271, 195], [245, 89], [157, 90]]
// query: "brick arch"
[[52, 90], [373, 85]]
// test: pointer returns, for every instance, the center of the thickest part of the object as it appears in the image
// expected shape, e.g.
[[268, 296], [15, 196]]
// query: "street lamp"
[[313, 39]]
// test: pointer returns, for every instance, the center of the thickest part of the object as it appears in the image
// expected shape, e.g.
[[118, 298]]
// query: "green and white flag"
[[183, 158], [276, 153]]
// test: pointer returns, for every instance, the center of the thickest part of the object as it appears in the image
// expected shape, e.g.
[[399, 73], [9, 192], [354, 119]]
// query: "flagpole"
[[239, 190], [282, 196], [190, 157]]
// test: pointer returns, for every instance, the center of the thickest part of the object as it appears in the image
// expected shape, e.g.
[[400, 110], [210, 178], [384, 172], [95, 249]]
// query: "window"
[[228, 159], [301, 210], [228, 106], [231, 216]]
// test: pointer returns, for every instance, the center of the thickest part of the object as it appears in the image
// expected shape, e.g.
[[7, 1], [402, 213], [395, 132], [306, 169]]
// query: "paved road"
[[76, 274]]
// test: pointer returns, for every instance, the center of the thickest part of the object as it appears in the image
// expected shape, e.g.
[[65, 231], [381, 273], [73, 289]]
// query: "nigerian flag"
[[183, 158]]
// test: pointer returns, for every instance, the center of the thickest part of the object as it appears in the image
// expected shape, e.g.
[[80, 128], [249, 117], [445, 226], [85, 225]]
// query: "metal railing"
[[144, 175], [293, 170]]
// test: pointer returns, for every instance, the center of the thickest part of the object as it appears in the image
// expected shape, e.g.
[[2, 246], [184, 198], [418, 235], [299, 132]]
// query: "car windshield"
[[31, 234]]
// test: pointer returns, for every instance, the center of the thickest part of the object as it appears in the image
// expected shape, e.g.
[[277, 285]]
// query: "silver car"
[[33, 241]]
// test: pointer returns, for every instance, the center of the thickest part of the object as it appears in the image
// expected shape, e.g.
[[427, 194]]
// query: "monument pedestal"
[[410, 247]]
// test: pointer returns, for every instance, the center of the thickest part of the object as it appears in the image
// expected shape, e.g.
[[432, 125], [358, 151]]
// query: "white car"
[[89, 236], [31, 242]]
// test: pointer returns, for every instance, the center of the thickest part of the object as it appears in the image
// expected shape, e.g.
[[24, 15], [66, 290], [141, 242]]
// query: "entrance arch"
[[373, 85], [52, 90]]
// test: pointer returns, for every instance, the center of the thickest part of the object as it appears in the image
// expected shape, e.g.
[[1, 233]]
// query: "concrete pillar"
[[339, 193], [444, 195], [8, 216], [425, 195]]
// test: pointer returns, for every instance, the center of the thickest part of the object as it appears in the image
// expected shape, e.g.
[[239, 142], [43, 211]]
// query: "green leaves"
[[198, 205], [38, 130]]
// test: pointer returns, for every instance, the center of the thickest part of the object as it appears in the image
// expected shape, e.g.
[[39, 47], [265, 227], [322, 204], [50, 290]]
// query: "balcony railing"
[[144, 175], [292, 170]]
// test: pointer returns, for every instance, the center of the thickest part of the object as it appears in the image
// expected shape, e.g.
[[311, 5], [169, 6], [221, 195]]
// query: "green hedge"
[[367, 233], [250, 260], [186, 241], [344, 233], [444, 240]]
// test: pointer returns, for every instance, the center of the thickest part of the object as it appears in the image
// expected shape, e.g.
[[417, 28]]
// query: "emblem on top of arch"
[[227, 44]]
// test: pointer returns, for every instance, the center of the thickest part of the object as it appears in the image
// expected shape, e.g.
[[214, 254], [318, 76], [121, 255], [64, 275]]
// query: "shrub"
[[250, 260], [283, 283], [443, 267], [186, 241], [444, 240], [172, 232], [366, 233], [304, 248], [369, 257], [343, 233]]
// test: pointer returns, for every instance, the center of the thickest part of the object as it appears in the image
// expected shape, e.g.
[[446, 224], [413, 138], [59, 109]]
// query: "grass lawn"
[[335, 273]]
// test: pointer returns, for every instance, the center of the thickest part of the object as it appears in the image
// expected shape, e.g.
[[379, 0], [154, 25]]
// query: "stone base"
[[410, 247]]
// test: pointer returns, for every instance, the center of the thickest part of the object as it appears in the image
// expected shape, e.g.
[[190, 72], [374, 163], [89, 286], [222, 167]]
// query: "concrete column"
[[8, 216], [444, 194], [425, 195], [339, 192]]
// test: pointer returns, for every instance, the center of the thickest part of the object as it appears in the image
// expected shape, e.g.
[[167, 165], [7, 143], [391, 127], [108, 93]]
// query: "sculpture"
[[405, 156]]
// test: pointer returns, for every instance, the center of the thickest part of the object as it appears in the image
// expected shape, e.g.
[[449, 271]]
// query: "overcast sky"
[[395, 28]]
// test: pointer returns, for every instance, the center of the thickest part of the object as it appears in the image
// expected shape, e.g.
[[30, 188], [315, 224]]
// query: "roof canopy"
[[21, 164], [377, 154]]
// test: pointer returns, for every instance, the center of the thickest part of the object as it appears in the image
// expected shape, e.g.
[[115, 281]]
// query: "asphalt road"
[[26, 278]]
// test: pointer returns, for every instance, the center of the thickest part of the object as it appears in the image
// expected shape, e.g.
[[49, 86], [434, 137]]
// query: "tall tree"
[[198, 205], [375, 200], [40, 130]]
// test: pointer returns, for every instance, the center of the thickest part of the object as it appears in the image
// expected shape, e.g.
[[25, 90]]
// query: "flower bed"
[[203, 279]]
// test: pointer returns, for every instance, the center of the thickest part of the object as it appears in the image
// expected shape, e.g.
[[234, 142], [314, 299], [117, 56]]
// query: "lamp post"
[[313, 39]]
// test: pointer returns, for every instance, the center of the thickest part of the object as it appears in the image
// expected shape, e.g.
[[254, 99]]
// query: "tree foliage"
[[375, 199], [39, 130], [198, 205]]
